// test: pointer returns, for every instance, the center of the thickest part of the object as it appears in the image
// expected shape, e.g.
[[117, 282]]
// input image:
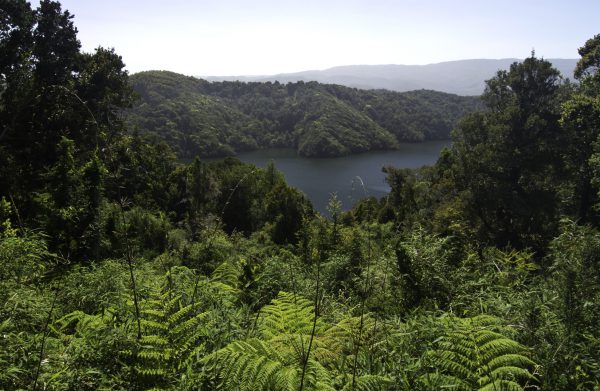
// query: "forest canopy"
[[196, 117], [123, 268]]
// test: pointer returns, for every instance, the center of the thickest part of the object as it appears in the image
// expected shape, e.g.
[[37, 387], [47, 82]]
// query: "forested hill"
[[462, 77], [122, 268], [197, 117]]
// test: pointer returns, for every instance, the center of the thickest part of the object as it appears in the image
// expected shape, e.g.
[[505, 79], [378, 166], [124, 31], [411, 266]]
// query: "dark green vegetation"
[[122, 269], [196, 117]]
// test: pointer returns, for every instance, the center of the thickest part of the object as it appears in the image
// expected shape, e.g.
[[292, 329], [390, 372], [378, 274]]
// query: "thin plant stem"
[[366, 287], [293, 279], [129, 258], [314, 326], [43, 344], [14, 205]]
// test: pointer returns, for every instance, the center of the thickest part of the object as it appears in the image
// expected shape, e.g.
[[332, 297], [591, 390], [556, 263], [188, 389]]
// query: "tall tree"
[[45, 59], [59, 113], [50, 89], [581, 122], [508, 158], [588, 66]]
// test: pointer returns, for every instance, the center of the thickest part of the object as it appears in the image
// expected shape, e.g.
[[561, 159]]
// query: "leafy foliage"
[[175, 334], [122, 268], [472, 356], [275, 360], [507, 159]]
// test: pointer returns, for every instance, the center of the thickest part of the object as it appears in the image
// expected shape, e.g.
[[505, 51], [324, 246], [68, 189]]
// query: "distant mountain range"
[[463, 77]]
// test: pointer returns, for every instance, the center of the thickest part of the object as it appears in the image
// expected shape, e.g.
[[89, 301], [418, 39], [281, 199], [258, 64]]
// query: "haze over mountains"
[[462, 77]]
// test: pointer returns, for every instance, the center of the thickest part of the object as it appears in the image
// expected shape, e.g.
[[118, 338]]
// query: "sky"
[[264, 37]]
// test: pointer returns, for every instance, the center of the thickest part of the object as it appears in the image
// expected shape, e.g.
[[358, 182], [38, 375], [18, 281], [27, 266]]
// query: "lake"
[[318, 178]]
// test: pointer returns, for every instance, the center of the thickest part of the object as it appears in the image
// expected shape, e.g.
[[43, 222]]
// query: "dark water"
[[319, 177]]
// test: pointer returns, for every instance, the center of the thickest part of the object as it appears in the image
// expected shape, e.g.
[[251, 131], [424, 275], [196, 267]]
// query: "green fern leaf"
[[502, 385], [471, 356]]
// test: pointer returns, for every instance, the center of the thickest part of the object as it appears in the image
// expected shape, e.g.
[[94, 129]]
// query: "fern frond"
[[151, 372], [157, 314], [317, 377], [287, 314], [473, 356], [439, 381], [175, 332], [499, 347], [244, 363], [176, 316], [155, 355], [510, 360], [185, 326], [368, 383], [193, 356], [345, 333], [508, 372], [154, 325], [484, 336], [502, 385], [227, 273], [455, 364], [155, 340], [286, 378], [277, 360]]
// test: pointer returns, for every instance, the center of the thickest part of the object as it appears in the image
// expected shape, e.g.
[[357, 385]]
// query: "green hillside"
[[124, 268], [174, 108], [216, 119]]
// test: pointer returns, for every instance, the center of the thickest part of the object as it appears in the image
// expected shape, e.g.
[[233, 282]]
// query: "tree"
[[286, 207], [16, 21], [588, 66], [50, 88], [202, 190], [508, 159], [51, 92], [402, 194], [581, 122], [43, 66]]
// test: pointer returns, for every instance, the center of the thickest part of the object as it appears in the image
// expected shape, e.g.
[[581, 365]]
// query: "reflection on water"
[[319, 177]]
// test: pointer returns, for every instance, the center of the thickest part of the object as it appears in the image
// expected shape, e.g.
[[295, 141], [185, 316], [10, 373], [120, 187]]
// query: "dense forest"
[[122, 268], [196, 117]]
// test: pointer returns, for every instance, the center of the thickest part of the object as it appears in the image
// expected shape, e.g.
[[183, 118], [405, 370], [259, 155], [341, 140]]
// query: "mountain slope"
[[463, 77], [220, 118], [172, 107]]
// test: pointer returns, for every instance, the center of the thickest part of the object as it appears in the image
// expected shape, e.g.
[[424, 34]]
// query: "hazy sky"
[[236, 37]]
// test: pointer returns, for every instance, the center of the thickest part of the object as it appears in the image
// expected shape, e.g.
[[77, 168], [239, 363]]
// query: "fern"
[[172, 339], [287, 314], [176, 331], [367, 383], [471, 355], [81, 351], [227, 273], [275, 361]]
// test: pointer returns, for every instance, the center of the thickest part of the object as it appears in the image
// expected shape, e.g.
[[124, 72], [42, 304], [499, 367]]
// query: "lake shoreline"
[[352, 177], [294, 149]]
